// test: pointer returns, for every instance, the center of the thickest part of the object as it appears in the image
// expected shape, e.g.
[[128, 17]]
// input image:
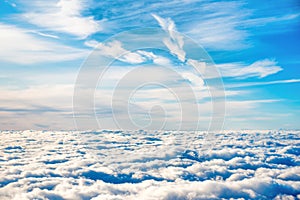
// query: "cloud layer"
[[145, 165]]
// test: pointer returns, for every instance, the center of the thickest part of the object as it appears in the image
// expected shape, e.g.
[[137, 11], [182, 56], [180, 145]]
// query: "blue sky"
[[254, 44]]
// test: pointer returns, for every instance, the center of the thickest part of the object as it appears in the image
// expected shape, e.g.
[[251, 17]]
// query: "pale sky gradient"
[[255, 46]]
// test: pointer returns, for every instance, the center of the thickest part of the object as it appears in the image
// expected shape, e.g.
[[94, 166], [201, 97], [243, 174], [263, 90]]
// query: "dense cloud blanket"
[[149, 165]]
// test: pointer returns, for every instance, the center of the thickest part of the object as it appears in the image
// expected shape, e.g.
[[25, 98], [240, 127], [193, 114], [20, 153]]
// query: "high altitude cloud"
[[22, 47], [227, 25], [249, 84], [175, 41], [64, 16], [260, 68], [116, 50]]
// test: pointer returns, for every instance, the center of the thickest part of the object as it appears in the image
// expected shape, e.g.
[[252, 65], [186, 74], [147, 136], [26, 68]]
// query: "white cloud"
[[115, 50], [175, 41], [242, 107], [194, 79], [175, 44], [19, 46], [63, 16], [45, 34], [219, 34], [262, 83], [132, 165], [261, 68], [160, 60], [54, 96], [273, 19], [219, 26], [227, 25], [91, 43], [198, 65]]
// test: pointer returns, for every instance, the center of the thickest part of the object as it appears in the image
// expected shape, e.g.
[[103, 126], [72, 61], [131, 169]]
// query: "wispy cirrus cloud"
[[219, 26], [115, 49], [22, 47], [46, 34], [62, 16], [262, 83], [273, 19], [229, 25], [260, 68], [175, 41]]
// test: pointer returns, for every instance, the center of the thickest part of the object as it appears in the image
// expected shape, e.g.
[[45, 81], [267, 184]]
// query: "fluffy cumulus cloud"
[[149, 165]]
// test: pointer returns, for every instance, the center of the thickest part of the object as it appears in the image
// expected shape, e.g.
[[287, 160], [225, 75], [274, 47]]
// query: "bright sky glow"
[[254, 44]]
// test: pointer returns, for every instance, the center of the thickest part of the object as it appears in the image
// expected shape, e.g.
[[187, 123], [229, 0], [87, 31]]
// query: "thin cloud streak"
[[262, 83], [260, 68]]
